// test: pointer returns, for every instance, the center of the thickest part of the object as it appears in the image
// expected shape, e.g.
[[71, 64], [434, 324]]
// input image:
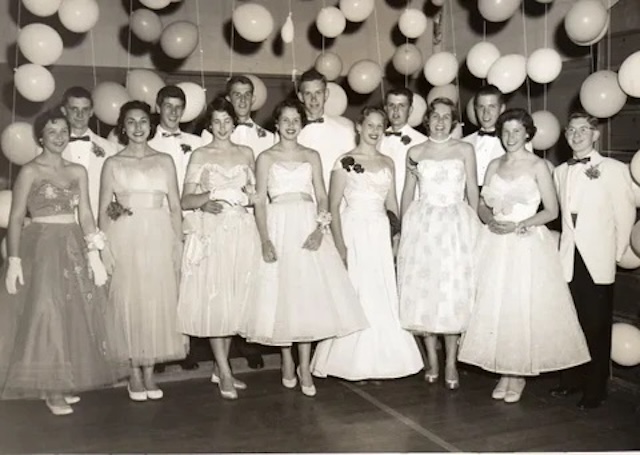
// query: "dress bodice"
[[442, 182], [138, 186], [367, 190], [223, 183], [290, 177], [48, 198], [512, 200]]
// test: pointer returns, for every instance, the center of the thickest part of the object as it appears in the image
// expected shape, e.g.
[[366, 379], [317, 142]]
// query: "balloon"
[[79, 16], [5, 208], [145, 25], [608, 3], [628, 75], [144, 85], [356, 10], [629, 260], [419, 108], [179, 39], [498, 10], [441, 68], [634, 167], [412, 23], [471, 111], [545, 1], [196, 100], [40, 44], [155, 4], [3, 248], [508, 72], [253, 22], [635, 238], [625, 344], [407, 59], [548, 130], [259, 92], [585, 20], [443, 91], [456, 131], [544, 65], [601, 95], [437, 2], [34, 82], [364, 76], [42, 8], [331, 22], [18, 143], [287, 31], [337, 101], [108, 98], [480, 58], [329, 65]]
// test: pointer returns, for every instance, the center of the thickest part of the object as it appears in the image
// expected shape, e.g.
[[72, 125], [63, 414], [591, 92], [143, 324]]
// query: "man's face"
[[171, 111], [581, 135], [78, 112], [488, 109], [398, 109], [313, 95], [241, 98]]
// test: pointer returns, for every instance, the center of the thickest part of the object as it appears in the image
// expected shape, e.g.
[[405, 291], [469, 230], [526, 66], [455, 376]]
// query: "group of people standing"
[[299, 237]]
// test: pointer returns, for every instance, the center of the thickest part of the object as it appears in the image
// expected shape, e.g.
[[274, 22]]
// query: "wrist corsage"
[[324, 221], [96, 241]]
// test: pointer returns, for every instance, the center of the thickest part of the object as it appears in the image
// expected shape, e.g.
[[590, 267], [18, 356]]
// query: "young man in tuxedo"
[[598, 212]]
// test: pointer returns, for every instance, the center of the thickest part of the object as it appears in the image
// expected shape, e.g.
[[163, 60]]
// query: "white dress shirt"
[[249, 134], [487, 149], [396, 146], [576, 180]]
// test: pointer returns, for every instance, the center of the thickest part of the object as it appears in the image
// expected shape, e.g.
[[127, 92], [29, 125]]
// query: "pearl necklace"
[[438, 141]]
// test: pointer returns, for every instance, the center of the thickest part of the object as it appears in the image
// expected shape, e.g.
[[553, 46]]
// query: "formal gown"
[[144, 285], [524, 321], [221, 254], [58, 334], [384, 350], [436, 272], [304, 295]]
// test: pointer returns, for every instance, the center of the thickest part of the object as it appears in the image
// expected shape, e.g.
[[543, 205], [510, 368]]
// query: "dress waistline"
[[66, 218], [142, 200], [291, 197]]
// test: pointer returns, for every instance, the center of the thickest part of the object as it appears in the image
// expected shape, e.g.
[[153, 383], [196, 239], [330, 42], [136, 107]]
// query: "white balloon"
[[508, 72], [79, 16], [407, 59], [146, 25], [155, 4], [629, 75], [18, 143], [449, 91], [329, 65], [331, 22], [40, 44], [253, 22], [412, 23], [196, 100], [356, 10], [585, 20], [419, 108], [364, 76], [259, 92], [471, 111], [287, 32], [601, 95], [441, 68], [34, 82], [337, 101], [547, 130], [480, 58], [544, 65], [629, 260], [42, 8]]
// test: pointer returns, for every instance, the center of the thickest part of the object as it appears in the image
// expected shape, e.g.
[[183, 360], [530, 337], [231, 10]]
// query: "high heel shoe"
[[237, 383], [59, 409], [430, 377], [514, 391], [227, 394], [72, 399], [500, 391], [307, 390], [451, 383], [155, 394], [136, 396], [290, 383]]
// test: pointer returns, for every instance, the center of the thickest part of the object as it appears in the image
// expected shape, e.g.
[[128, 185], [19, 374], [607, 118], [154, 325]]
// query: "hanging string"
[[484, 29], [129, 40], [608, 24], [293, 50], [546, 45], [526, 55], [15, 90], [231, 41], [375, 18], [93, 67], [200, 49], [406, 42], [324, 5], [455, 51]]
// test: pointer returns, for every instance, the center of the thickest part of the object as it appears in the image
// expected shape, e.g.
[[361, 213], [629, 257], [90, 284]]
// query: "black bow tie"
[[318, 120], [487, 133], [572, 161], [393, 133], [80, 138], [165, 134], [247, 124]]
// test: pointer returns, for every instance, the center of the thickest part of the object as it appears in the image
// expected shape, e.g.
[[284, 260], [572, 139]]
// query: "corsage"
[[324, 221], [96, 241]]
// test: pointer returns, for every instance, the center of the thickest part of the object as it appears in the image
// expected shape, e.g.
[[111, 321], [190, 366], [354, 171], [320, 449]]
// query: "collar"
[[161, 130]]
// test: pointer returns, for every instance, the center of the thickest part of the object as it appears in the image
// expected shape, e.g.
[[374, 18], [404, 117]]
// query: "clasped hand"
[[506, 227], [314, 240], [213, 207]]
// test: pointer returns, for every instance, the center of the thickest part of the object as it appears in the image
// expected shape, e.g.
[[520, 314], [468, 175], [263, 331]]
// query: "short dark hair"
[[170, 91], [219, 104], [51, 115], [367, 110], [431, 107], [520, 115], [489, 90], [130, 106], [239, 79], [76, 92], [591, 120], [312, 75], [400, 91], [290, 103]]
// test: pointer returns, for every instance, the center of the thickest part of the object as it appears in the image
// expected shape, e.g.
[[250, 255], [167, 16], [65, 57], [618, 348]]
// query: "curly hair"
[[517, 114], [124, 110], [51, 115], [220, 104], [432, 106], [292, 103]]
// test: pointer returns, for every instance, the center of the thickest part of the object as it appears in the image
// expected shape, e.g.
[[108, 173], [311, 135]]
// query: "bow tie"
[[165, 134], [487, 133], [247, 124], [80, 138], [318, 120], [393, 133], [572, 161]]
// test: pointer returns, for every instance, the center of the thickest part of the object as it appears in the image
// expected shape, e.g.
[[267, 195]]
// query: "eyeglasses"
[[582, 130]]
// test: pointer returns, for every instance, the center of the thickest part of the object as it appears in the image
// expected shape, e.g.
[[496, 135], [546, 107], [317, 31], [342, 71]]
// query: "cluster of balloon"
[[144, 85], [5, 207], [418, 110], [259, 92], [337, 101], [329, 64], [480, 58], [407, 59], [18, 143], [628, 75], [498, 10], [508, 72], [601, 95], [625, 344], [108, 98], [412, 23], [441, 68], [586, 22], [364, 76], [547, 130], [253, 22], [331, 22]]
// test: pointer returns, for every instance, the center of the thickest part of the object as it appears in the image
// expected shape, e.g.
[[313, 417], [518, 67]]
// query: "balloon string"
[[233, 8], [406, 42], [609, 68], [455, 52], [15, 89], [484, 30], [93, 67], [375, 17], [324, 5], [293, 48], [200, 49], [546, 45], [129, 39], [526, 55]]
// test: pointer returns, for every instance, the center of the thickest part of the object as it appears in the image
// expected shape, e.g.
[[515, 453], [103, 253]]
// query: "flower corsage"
[[405, 139], [324, 221], [186, 148], [261, 132], [349, 164], [97, 150], [593, 172], [115, 210], [96, 241]]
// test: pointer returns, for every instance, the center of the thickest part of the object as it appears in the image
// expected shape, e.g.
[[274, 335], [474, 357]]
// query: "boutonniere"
[[115, 210], [592, 172], [97, 150], [261, 132], [186, 148], [405, 139], [349, 164]]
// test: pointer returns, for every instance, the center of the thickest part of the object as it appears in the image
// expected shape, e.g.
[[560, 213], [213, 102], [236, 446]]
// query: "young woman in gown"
[[58, 335], [439, 230], [303, 290], [222, 247], [140, 213], [365, 179], [524, 322]]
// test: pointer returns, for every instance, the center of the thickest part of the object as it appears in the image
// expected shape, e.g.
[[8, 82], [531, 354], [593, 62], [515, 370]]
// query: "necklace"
[[440, 141]]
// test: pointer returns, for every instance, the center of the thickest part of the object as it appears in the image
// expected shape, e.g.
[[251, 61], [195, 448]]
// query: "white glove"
[[14, 273], [97, 267]]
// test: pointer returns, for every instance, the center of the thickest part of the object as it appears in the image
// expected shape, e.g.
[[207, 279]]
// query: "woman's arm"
[[173, 196], [484, 212], [471, 175], [191, 198], [391, 202], [106, 193], [19, 196], [336, 192], [410, 181], [547, 190], [260, 206], [322, 200], [85, 215]]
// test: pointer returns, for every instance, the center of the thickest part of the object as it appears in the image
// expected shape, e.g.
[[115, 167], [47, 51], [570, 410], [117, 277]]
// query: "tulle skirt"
[[58, 334], [524, 321], [219, 268], [305, 295]]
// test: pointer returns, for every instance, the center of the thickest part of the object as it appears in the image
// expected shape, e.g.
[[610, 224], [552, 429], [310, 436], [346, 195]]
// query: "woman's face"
[[514, 135], [440, 121], [371, 129], [55, 136], [221, 125], [137, 125], [289, 123]]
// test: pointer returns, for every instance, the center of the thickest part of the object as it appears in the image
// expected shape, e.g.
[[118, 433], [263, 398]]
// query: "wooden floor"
[[404, 415]]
